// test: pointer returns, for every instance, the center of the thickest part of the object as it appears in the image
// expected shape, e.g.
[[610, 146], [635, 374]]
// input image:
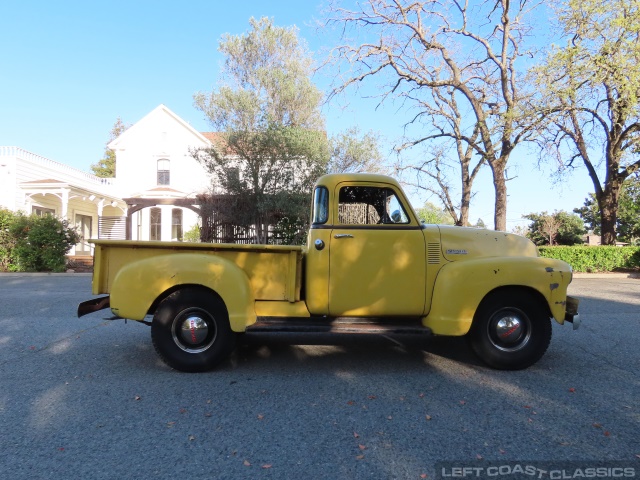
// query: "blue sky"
[[68, 69]]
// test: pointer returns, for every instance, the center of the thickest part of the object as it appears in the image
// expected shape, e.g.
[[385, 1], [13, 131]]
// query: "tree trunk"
[[608, 203], [463, 219], [500, 185]]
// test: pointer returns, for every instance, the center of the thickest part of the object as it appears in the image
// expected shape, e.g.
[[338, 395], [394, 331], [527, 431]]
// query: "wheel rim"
[[194, 330], [509, 329]]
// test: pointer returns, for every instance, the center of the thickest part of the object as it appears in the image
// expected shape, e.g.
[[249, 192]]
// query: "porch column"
[[64, 197], [27, 203], [100, 207], [166, 223]]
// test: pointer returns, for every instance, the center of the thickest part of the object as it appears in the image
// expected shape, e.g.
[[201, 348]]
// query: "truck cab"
[[363, 227]]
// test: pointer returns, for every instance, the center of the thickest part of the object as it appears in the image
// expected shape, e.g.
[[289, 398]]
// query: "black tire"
[[190, 330], [511, 330]]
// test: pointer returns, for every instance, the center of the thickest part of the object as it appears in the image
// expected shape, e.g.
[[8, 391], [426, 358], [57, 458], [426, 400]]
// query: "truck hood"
[[459, 243]]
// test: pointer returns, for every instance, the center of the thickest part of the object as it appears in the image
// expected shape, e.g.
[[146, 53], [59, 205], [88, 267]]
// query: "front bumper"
[[571, 314]]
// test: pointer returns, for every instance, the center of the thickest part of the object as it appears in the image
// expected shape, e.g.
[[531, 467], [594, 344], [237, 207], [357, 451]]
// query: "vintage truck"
[[369, 266]]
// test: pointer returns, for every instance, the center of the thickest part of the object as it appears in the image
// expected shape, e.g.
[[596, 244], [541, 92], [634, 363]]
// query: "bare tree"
[[430, 52], [591, 98], [550, 227], [447, 122]]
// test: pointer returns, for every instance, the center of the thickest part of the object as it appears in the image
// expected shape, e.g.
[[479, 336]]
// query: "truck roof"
[[333, 179]]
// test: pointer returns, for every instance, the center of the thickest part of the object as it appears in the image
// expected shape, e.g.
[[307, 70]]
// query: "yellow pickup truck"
[[369, 266]]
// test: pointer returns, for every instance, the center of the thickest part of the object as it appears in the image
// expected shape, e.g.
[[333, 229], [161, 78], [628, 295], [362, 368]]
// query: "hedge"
[[595, 259]]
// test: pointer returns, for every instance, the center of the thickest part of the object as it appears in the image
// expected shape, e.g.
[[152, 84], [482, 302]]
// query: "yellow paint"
[[317, 272], [137, 273], [478, 242], [461, 286], [376, 272], [281, 309], [370, 271]]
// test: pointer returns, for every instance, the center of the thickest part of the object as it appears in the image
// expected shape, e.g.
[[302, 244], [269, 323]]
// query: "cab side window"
[[370, 206], [320, 206]]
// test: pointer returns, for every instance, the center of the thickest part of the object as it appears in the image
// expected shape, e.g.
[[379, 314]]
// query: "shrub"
[[595, 259], [289, 231], [7, 242], [40, 243]]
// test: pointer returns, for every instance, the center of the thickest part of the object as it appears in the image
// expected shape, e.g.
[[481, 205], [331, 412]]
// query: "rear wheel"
[[511, 330], [190, 330]]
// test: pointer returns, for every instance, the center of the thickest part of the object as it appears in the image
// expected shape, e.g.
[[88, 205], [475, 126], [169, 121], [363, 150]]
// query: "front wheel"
[[190, 330], [511, 330]]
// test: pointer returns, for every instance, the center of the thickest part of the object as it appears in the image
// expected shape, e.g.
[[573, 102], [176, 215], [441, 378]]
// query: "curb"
[[606, 275]]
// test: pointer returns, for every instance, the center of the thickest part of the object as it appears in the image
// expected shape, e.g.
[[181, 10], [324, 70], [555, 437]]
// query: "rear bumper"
[[93, 305], [571, 314]]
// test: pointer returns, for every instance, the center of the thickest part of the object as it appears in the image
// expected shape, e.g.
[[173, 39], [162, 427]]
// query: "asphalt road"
[[87, 398]]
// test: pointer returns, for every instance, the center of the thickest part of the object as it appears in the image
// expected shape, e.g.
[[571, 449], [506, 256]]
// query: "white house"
[[152, 196], [157, 175]]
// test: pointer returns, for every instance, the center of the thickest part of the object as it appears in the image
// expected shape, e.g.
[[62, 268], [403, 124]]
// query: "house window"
[[176, 224], [155, 224], [233, 177], [164, 176], [139, 225], [41, 211], [83, 225]]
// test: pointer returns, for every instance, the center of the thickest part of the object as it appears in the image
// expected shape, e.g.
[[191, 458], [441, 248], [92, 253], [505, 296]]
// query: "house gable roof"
[[159, 110], [213, 137]]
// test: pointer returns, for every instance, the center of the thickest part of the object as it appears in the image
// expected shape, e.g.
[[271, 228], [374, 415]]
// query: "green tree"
[[353, 152], [590, 97], [628, 218], [272, 146], [106, 167], [430, 213], [557, 228]]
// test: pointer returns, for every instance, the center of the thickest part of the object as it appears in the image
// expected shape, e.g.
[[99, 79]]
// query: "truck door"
[[376, 254]]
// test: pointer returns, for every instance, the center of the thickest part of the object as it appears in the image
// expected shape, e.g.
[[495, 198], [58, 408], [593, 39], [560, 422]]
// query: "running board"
[[346, 325]]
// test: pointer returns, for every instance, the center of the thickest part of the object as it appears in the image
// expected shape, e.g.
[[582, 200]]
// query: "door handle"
[[343, 235]]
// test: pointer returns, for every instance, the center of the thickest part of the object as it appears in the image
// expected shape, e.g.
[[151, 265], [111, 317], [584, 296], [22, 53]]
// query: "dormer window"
[[164, 176]]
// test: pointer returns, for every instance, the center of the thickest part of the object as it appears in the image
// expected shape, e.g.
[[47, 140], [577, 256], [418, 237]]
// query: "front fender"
[[461, 286], [137, 285]]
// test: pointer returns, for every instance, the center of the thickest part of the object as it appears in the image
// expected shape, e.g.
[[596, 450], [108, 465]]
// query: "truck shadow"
[[356, 350]]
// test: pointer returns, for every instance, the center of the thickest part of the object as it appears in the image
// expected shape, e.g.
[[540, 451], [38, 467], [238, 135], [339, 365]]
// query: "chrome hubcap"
[[509, 330], [194, 330]]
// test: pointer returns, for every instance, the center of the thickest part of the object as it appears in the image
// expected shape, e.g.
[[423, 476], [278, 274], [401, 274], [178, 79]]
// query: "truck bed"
[[274, 271]]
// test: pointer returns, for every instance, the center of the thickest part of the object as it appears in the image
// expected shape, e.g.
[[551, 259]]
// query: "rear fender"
[[139, 284]]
